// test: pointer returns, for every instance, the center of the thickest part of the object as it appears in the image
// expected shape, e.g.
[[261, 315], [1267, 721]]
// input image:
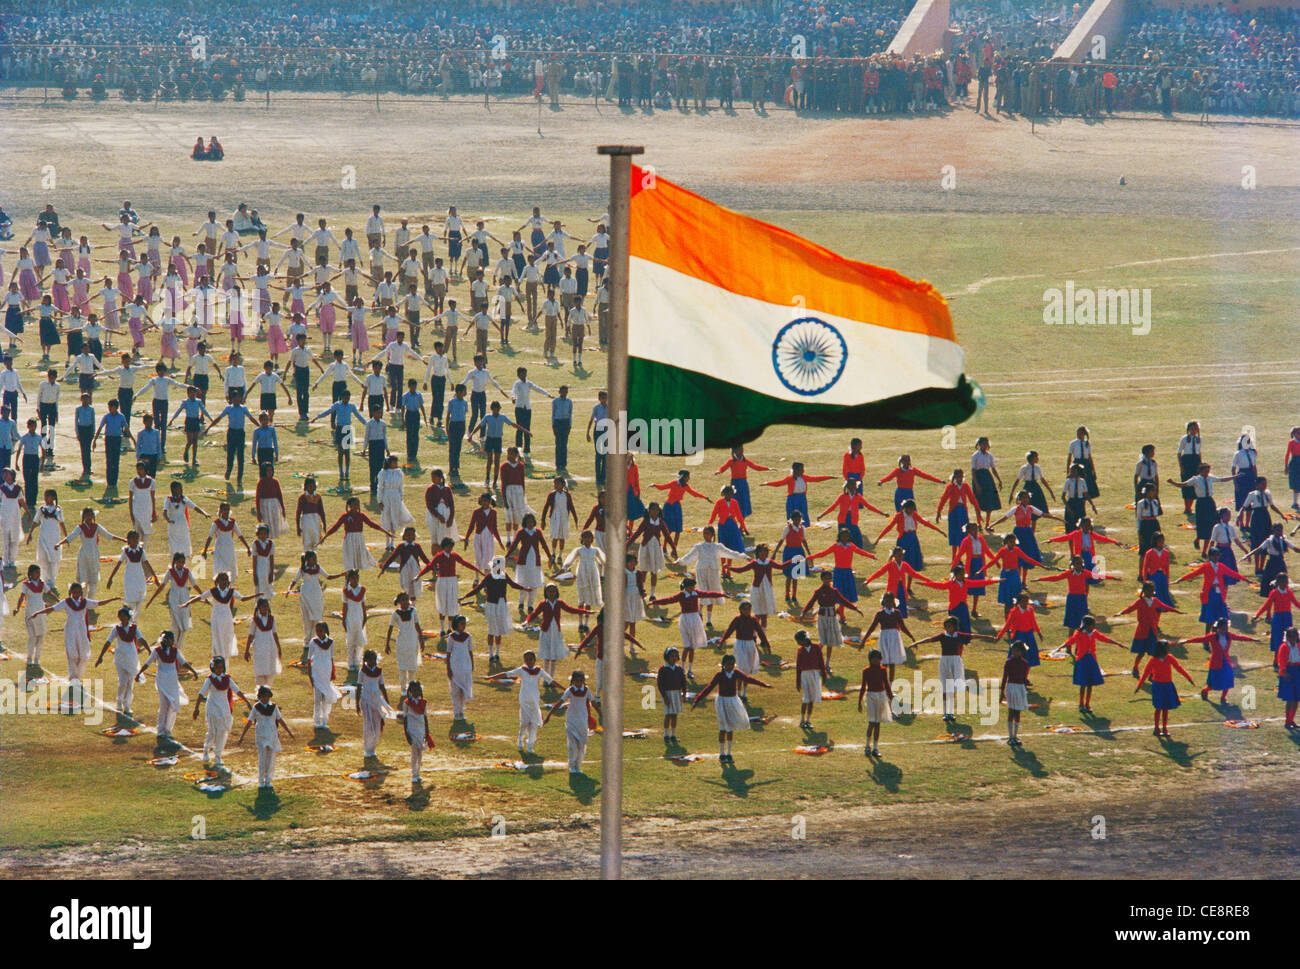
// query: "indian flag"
[[744, 325]]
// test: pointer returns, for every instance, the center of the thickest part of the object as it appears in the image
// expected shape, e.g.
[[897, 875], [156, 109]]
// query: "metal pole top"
[[620, 150]]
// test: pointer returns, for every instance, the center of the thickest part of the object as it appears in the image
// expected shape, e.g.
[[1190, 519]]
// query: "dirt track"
[[1237, 828]]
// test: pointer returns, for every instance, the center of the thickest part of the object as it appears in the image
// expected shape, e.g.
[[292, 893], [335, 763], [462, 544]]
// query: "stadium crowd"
[[661, 54]]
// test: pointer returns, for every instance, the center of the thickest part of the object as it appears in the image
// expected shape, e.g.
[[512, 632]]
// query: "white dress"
[[633, 605], [407, 575], [322, 670], [408, 642], [590, 565], [219, 715], [355, 554], [133, 586], [178, 593], [530, 685], [560, 515], [311, 599], [176, 513], [88, 555], [460, 656], [142, 506], [49, 535], [263, 576], [265, 735], [168, 679], [354, 614], [395, 516], [272, 516], [223, 546], [266, 658], [223, 622]]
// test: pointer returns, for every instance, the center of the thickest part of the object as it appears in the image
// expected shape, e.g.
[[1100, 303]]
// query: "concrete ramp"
[[924, 31], [1102, 24]]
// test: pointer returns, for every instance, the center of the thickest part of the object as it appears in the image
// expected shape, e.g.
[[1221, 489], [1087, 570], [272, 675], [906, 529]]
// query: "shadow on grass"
[[265, 805], [1028, 762], [584, 788], [738, 781], [886, 775]]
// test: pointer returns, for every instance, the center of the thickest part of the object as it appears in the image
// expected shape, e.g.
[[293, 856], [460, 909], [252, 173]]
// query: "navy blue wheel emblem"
[[809, 356]]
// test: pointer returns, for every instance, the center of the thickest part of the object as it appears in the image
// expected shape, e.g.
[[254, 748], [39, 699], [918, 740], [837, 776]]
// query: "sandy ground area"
[[419, 156]]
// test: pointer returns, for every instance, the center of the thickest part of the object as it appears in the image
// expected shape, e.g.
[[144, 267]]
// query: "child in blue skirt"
[[957, 495], [739, 467], [1082, 645], [796, 485], [1022, 628], [1278, 605], [1147, 633], [1288, 675], [1164, 695], [1220, 676], [1076, 599]]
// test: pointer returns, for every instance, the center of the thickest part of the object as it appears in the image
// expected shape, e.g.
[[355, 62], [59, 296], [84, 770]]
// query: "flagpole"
[[611, 689]]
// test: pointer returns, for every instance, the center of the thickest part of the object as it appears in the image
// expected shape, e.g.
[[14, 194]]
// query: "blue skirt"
[[845, 584], [962, 614], [1031, 647], [1143, 646], [729, 535], [1076, 607], [911, 546], [741, 488], [1288, 685], [958, 519], [787, 554], [1207, 516], [900, 598], [797, 503], [986, 492], [1028, 543], [672, 516], [1278, 624], [1161, 581], [1088, 673], [1260, 525], [1164, 696], [1273, 567], [976, 572], [1009, 586], [1293, 472], [635, 509], [901, 495], [1220, 679], [1215, 609], [1227, 558], [1243, 485]]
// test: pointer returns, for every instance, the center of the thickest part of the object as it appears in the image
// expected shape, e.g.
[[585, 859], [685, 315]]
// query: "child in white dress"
[[578, 718], [50, 530], [264, 717], [372, 702], [588, 565], [531, 679], [126, 642], [222, 597], [320, 663], [168, 681], [135, 566], [415, 726], [460, 667], [263, 645], [409, 639], [218, 692]]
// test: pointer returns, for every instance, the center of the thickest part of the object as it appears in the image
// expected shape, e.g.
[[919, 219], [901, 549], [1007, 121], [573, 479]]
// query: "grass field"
[[1221, 265]]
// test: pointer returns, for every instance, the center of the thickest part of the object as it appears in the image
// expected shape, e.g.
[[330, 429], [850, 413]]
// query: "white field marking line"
[[1108, 392], [1154, 366], [974, 288], [1182, 377]]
